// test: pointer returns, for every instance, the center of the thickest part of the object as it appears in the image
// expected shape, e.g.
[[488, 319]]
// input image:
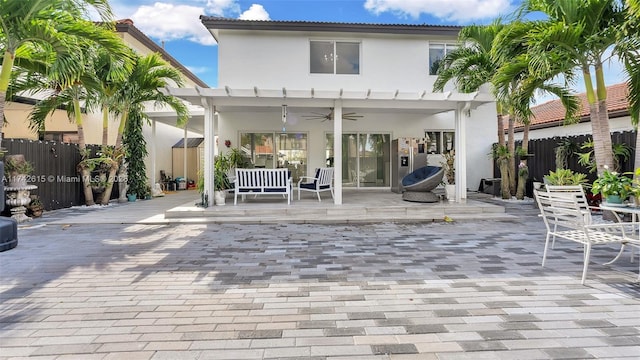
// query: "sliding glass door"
[[277, 150], [365, 159]]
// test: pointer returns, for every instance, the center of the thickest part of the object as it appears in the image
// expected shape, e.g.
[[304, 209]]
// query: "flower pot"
[[450, 190], [17, 180], [131, 197], [35, 211], [219, 197], [614, 199]]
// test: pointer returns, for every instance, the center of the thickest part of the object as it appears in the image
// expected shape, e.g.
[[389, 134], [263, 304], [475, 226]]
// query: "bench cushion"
[[312, 186]]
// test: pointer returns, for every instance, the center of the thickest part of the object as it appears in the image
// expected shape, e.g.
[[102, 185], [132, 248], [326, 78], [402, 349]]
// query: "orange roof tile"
[[553, 111]]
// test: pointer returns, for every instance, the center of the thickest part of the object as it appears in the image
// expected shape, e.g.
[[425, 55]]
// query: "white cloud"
[[172, 22], [449, 10], [198, 69], [255, 12], [222, 7]]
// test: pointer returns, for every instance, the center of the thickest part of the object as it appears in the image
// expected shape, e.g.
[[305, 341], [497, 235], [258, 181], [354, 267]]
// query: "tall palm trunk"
[[121, 127], [599, 116], [511, 145], [523, 176], [503, 164], [500, 128], [111, 177], [115, 166], [105, 125], [84, 170]]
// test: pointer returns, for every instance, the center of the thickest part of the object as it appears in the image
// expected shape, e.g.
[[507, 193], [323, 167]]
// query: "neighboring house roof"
[[126, 26], [212, 23], [552, 112]]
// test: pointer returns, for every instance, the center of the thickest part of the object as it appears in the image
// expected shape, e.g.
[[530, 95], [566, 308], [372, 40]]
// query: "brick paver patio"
[[466, 290]]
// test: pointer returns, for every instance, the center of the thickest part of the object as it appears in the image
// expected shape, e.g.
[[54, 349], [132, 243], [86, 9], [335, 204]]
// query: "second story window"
[[334, 57], [437, 52]]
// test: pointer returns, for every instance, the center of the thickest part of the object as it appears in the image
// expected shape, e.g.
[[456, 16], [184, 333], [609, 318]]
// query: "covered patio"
[[218, 102]]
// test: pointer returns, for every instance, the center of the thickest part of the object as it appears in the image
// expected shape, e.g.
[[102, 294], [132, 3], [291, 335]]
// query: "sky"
[[176, 23]]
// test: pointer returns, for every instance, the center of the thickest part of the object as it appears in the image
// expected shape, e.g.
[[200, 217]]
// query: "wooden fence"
[[55, 171], [544, 157]]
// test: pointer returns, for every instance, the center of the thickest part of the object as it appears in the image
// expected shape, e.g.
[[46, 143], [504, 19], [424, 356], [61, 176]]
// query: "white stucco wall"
[[616, 124], [387, 62], [481, 130]]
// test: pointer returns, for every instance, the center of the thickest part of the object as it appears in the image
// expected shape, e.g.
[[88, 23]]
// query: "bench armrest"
[[306, 177]]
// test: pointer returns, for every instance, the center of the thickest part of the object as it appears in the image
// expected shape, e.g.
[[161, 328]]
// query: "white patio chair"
[[577, 192], [323, 181], [563, 217]]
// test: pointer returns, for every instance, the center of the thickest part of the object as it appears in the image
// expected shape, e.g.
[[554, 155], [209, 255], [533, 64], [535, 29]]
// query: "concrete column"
[[154, 154], [461, 115], [337, 152], [209, 144], [184, 155]]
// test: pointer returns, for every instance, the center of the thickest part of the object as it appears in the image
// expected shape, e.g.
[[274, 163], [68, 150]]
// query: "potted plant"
[[565, 177], [17, 168], [450, 174], [613, 186], [35, 207], [634, 189], [221, 183]]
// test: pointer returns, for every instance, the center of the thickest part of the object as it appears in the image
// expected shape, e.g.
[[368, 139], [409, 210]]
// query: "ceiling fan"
[[324, 117]]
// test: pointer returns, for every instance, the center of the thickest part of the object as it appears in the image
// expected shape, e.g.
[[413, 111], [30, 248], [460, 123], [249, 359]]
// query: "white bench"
[[262, 181], [564, 217]]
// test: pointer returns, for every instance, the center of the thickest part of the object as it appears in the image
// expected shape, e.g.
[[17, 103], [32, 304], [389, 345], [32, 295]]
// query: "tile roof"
[[552, 112], [214, 22]]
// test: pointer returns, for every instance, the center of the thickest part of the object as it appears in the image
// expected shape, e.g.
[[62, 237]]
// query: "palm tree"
[[73, 85], [44, 23], [149, 74], [516, 86], [469, 67], [577, 35], [634, 7], [629, 52], [110, 72]]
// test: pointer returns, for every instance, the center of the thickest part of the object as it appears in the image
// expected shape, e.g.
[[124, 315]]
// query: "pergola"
[[218, 100]]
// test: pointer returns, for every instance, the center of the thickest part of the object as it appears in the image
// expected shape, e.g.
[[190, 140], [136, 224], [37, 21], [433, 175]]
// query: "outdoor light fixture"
[[284, 117]]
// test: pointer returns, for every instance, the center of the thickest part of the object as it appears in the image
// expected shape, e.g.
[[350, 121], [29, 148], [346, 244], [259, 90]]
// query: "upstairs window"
[[334, 57], [437, 52]]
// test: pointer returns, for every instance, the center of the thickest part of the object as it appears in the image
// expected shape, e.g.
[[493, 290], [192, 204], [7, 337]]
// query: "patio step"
[[329, 213]]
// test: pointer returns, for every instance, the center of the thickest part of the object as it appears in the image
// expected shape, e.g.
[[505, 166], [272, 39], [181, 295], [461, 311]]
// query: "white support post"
[[184, 155], [461, 116], [153, 154], [209, 142], [337, 152]]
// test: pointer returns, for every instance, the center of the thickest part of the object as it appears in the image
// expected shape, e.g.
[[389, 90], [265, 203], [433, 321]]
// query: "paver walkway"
[[467, 290]]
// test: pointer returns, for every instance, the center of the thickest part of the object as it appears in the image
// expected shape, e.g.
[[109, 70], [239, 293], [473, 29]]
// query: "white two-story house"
[[311, 94]]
